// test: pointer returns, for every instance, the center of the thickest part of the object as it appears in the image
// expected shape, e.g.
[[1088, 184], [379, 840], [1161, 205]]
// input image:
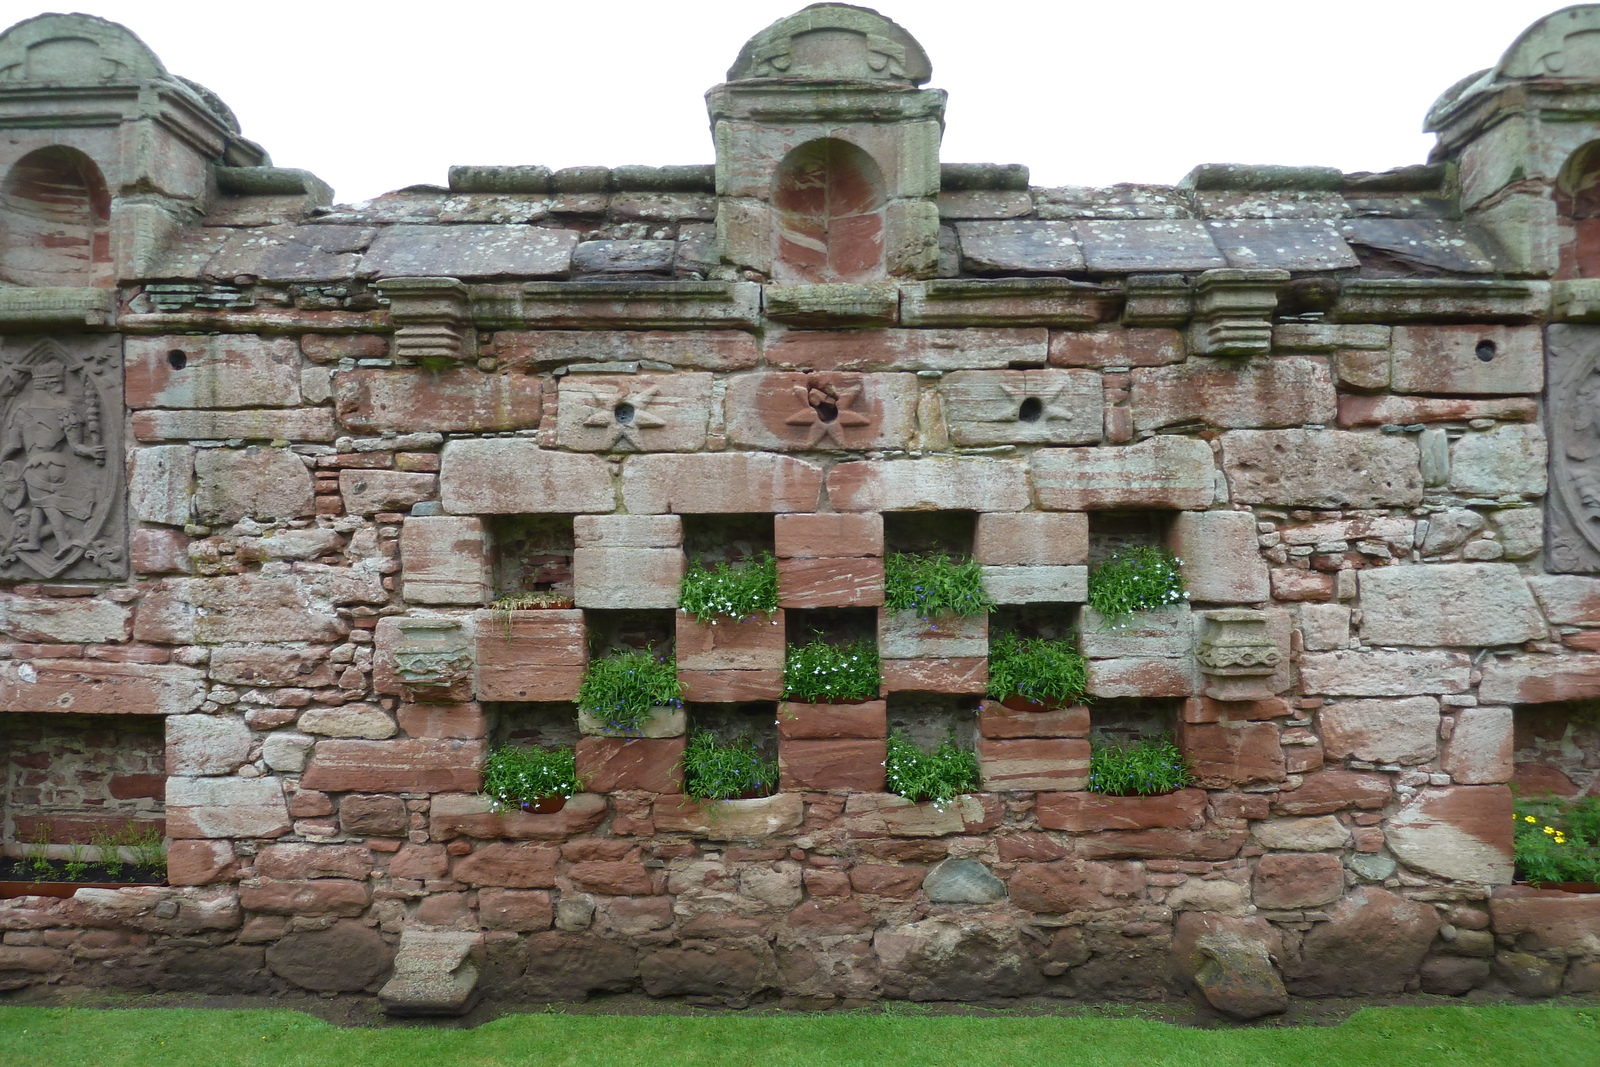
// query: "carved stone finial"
[[833, 42]]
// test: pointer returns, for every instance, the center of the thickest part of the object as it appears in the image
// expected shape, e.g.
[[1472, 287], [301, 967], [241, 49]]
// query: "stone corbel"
[[432, 318], [1233, 312], [46, 310], [1237, 654], [434, 660]]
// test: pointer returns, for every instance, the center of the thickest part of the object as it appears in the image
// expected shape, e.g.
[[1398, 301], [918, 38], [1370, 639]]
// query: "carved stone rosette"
[[1237, 655], [1572, 509], [62, 487]]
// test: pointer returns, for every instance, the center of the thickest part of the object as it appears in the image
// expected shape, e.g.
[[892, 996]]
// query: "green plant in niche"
[[1035, 668], [820, 671], [737, 591], [937, 776], [714, 771], [1148, 768], [620, 690], [1556, 841], [77, 862], [932, 584], [108, 849], [149, 850], [515, 777], [39, 855], [1135, 579]]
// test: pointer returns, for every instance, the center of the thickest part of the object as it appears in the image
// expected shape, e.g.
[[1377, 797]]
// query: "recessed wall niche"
[[1557, 748], [532, 554], [68, 778]]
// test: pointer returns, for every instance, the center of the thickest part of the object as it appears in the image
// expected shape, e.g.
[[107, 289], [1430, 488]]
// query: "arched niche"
[[1578, 201], [829, 199], [54, 215]]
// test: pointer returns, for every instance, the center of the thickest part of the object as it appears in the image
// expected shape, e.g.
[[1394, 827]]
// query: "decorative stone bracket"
[[1233, 312], [1237, 655], [432, 318], [434, 661]]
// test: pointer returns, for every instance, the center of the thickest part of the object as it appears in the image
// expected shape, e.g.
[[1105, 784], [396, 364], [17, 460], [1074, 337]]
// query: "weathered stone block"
[[514, 476], [1231, 393], [798, 721], [226, 807], [1115, 348], [1024, 246], [1166, 632], [1472, 360], [627, 577], [1163, 472], [256, 424], [998, 721], [1385, 674], [1318, 833], [91, 687], [883, 814], [661, 722], [1333, 790], [259, 483], [937, 483], [320, 896], [366, 492], [730, 820], [1051, 407], [1031, 539], [530, 655], [1324, 627], [610, 764], [627, 531], [1480, 749], [515, 251], [1142, 677], [442, 720], [1448, 604], [1055, 763], [1461, 832], [1224, 754], [1076, 885], [444, 560], [739, 483], [1221, 563], [828, 535], [945, 674], [75, 620], [1036, 585], [644, 413], [515, 866], [1567, 599], [1321, 469], [348, 720], [834, 765], [711, 350], [220, 371], [205, 744], [823, 410], [1535, 679], [1504, 461], [1308, 880], [1184, 809], [753, 644], [159, 484], [730, 687], [201, 862], [405, 765], [856, 581], [1381, 731], [453, 400], [265, 665], [906, 635], [900, 350], [1388, 410]]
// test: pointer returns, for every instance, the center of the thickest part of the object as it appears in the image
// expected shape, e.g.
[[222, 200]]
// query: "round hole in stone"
[[827, 411], [1486, 350], [623, 412], [1031, 409], [177, 360]]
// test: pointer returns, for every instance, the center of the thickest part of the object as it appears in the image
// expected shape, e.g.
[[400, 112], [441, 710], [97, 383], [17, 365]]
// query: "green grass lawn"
[[1502, 1036]]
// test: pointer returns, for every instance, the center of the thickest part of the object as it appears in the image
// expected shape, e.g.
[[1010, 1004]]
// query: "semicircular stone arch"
[[829, 199], [55, 212]]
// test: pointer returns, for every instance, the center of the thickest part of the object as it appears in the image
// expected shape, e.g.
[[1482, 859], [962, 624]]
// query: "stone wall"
[[349, 428]]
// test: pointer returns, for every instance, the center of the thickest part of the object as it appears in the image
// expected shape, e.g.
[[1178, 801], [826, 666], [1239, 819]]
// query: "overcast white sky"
[[375, 96]]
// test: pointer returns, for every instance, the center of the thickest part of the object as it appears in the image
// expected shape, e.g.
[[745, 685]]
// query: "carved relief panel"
[[1572, 510], [62, 485]]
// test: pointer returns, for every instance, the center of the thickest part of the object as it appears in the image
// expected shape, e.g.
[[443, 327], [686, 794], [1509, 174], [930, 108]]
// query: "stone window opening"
[[930, 718], [55, 214], [930, 532], [733, 538], [1556, 748], [532, 555], [829, 199]]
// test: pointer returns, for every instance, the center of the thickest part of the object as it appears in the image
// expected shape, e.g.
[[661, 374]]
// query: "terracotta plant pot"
[[544, 805], [1568, 887]]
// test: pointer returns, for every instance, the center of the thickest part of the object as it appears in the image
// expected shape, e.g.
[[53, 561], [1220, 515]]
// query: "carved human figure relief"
[[1572, 520], [61, 480]]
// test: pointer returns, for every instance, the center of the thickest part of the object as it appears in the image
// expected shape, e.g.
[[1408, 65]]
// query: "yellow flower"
[[1549, 829], [1529, 818]]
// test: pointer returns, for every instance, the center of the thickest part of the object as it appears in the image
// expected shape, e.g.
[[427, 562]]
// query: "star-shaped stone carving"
[[827, 409], [624, 415], [1047, 398]]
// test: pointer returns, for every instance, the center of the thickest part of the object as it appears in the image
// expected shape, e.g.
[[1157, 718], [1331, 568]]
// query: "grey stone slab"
[[469, 251], [1282, 244], [962, 881], [624, 257], [1270, 204], [1437, 243], [1145, 245], [435, 973], [1125, 201], [1027, 246]]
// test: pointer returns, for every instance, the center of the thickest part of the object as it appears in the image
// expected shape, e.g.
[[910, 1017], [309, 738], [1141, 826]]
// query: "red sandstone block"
[[1291, 583], [855, 765], [409, 765], [301, 861], [998, 721], [1032, 539], [321, 896], [1333, 790], [887, 880], [828, 535], [720, 483], [89, 687], [521, 910], [713, 350], [955, 674], [442, 720], [753, 644], [613, 764], [830, 583], [801, 721], [201, 863], [514, 866], [1033, 763], [1115, 348], [456, 400], [1226, 753], [451, 815], [219, 371], [1084, 812], [1204, 709], [730, 687], [1142, 676], [1358, 411], [904, 349], [330, 348], [159, 551], [444, 560], [530, 655], [612, 877]]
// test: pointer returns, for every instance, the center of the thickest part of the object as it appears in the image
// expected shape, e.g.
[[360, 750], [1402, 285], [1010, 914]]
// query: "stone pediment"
[[833, 42]]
